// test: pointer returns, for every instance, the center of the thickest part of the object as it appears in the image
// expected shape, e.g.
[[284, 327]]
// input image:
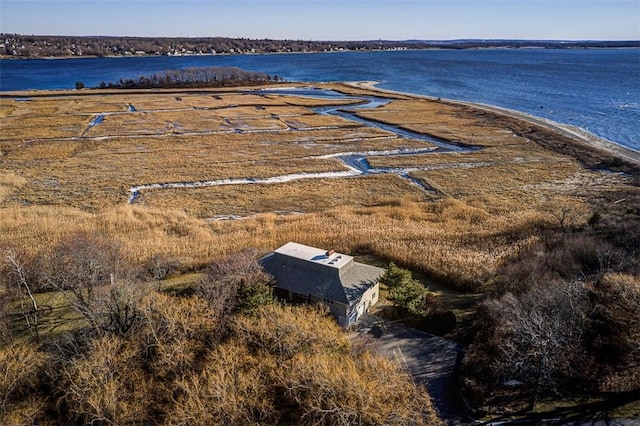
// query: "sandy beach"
[[572, 132]]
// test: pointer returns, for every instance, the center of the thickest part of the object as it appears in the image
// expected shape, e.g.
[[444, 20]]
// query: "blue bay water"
[[596, 90]]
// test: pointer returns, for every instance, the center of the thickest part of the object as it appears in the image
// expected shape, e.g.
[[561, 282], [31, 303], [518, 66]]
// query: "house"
[[309, 274]]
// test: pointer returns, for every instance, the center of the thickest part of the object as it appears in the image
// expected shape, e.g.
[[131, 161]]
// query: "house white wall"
[[347, 316], [366, 301]]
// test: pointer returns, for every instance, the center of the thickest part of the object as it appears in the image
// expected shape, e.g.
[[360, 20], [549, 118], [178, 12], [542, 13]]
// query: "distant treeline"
[[194, 78], [30, 46]]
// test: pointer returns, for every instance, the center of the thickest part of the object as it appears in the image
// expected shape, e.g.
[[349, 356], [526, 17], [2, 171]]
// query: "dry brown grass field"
[[59, 175], [302, 196]]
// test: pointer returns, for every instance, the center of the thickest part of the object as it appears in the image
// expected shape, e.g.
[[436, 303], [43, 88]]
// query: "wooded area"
[[223, 352], [40, 46], [192, 78]]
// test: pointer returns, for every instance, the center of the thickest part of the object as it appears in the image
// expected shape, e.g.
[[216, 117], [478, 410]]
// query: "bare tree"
[[568, 215], [78, 267], [539, 335], [226, 282], [160, 266], [19, 282], [118, 309]]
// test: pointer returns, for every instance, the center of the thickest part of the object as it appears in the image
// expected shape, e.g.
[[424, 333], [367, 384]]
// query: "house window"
[[373, 295]]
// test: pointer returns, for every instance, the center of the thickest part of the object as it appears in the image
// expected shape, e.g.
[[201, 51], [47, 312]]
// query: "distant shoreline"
[[20, 46], [56, 58]]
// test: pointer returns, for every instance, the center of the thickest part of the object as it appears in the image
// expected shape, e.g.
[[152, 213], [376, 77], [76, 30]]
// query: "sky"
[[329, 19]]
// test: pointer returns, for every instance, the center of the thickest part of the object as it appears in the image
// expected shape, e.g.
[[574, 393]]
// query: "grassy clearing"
[[434, 118], [56, 317], [44, 126]]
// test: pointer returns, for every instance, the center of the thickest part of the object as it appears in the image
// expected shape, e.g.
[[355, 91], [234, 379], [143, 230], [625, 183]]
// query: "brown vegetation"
[[489, 203], [562, 319], [303, 196], [229, 354], [532, 228]]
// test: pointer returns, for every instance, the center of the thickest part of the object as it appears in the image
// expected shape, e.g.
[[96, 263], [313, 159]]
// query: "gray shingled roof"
[[307, 270]]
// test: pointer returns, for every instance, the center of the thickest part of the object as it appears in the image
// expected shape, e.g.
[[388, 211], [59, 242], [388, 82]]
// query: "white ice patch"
[[135, 191]]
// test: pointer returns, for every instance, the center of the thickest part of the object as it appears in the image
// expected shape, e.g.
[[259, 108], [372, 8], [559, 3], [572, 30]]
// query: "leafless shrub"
[[32, 410], [107, 385], [223, 284], [82, 260], [284, 331], [118, 309], [557, 258], [233, 388], [161, 266], [569, 215], [175, 334], [308, 360], [532, 342], [21, 366], [378, 393], [280, 364], [78, 266], [615, 333]]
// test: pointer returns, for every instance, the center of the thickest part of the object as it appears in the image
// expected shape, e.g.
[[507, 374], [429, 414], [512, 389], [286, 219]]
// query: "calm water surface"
[[597, 90]]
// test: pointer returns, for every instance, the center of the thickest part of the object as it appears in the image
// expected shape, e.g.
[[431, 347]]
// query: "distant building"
[[309, 274]]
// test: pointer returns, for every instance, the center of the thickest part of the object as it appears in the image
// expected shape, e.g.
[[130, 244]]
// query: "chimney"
[[330, 253]]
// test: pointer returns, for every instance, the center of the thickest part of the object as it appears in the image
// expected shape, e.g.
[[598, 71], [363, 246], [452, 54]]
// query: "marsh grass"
[[44, 126], [303, 196], [10, 182], [448, 240], [489, 204], [95, 173], [434, 118]]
